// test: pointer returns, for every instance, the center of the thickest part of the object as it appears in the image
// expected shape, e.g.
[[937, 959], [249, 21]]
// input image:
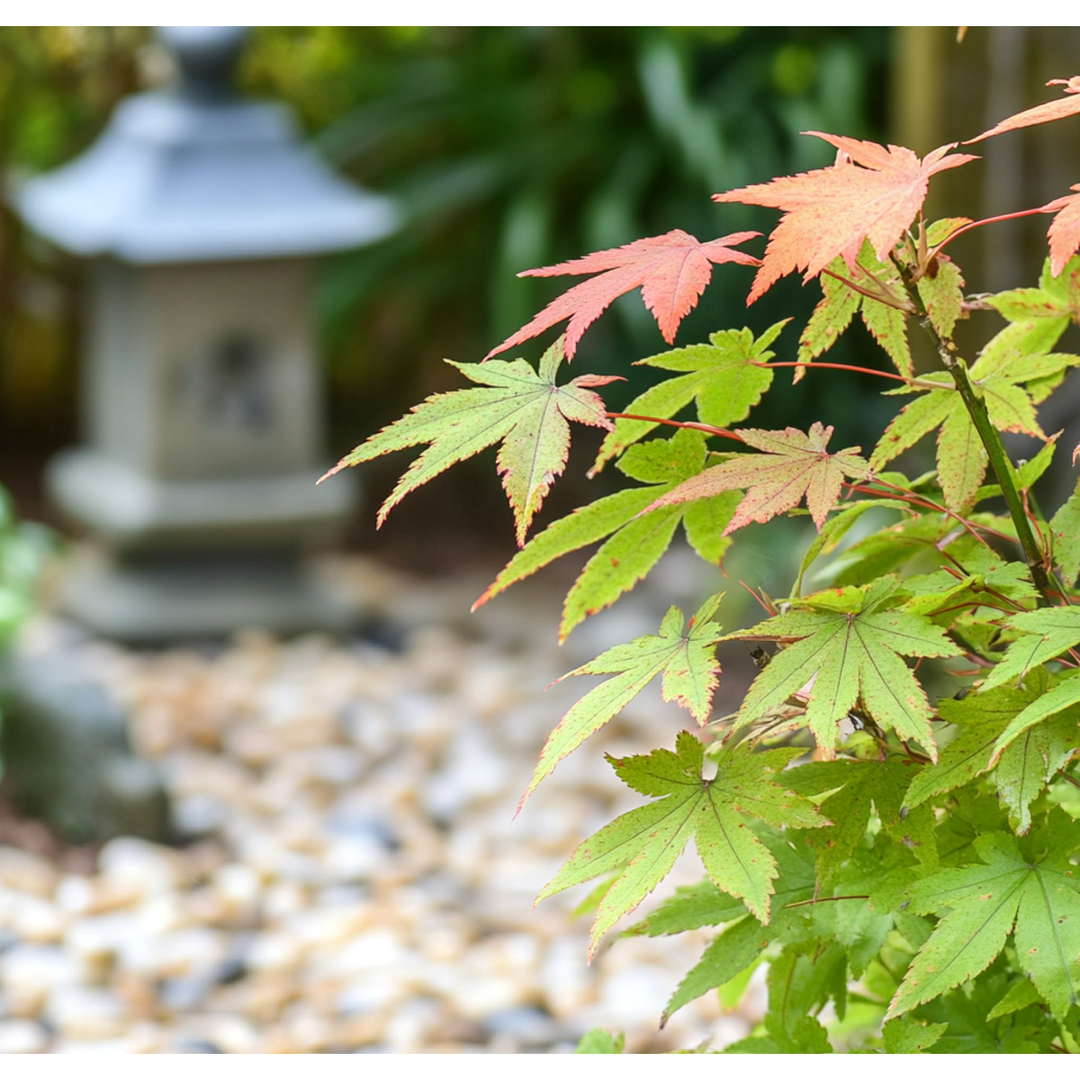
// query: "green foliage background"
[[509, 148]]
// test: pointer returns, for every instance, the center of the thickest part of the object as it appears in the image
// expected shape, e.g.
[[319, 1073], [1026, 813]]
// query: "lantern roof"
[[196, 174]]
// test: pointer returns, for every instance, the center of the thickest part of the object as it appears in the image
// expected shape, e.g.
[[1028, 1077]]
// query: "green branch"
[[988, 435]]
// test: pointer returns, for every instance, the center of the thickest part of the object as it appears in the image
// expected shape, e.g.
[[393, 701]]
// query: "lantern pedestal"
[[194, 558]]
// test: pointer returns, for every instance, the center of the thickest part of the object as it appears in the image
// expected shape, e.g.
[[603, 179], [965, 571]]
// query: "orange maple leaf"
[[1064, 231], [1040, 114], [672, 271], [830, 212], [794, 464]]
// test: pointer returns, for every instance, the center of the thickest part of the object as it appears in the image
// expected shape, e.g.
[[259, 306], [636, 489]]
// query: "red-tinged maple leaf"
[[794, 464], [672, 271], [830, 212], [1048, 110], [1064, 231]]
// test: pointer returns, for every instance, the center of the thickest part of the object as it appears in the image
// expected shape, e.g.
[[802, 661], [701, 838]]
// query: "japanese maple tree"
[[890, 817]]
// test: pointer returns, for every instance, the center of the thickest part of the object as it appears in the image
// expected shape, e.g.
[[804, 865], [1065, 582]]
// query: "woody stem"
[[988, 435]]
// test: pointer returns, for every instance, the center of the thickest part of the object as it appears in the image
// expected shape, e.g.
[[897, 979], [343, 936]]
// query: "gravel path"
[[356, 878]]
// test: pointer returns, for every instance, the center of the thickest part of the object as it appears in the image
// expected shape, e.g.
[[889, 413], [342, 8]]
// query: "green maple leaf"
[[730, 953], [1045, 634], [1065, 536], [1026, 765], [636, 539], [792, 466], [1008, 361], [846, 653], [905, 1035], [1050, 307], [840, 302], [855, 786], [685, 655], [1039, 897], [645, 842], [723, 378], [1064, 694], [514, 404]]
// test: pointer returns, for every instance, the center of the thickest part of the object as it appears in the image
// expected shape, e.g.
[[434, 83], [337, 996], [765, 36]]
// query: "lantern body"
[[198, 215]]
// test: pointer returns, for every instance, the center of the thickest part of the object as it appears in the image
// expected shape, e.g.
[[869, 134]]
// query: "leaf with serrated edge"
[[1047, 633], [672, 272], [725, 957], [845, 655], [961, 460], [915, 420], [792, 466], [723, 377], [943, 295], [515, 404], [684, 655], [1029, 763], [1040, 898], [981, 720], [1065, 694], [1065, 532], [830, 212], [648, 840]]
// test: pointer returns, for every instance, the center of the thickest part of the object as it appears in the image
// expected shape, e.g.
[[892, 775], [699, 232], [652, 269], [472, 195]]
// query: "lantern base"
[[159, 597]]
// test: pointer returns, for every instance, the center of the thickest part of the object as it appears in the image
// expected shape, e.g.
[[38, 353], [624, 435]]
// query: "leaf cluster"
[[887, 819]]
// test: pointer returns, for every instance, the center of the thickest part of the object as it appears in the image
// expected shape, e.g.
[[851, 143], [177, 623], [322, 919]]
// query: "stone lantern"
[[198, 214]]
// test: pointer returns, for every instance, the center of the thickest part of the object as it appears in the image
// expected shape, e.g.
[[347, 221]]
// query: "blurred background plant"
[[515, 147], [508, 147]]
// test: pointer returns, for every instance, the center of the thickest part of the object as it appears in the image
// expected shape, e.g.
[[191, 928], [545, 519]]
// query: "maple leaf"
[[1027, 764], [1057, 109], [636, 539], [645, 842], [794, 465], [1045, 634], [1064, 231], [1013, 357], [723, 378], [839, 303], [1065, 532], [515, 404], [1008, 889], [873, 193], [672, 271], [846, 653], [684, 654]]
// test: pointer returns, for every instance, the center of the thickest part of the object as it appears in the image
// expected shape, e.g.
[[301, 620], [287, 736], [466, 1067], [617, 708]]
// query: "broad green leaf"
[[942, 295], [981, 719], [1020, 996], [1031, 470], [647, 841], [792, 466], [636, 542], [1029, 763], [1045, 634], [1065, 533], [685, 655], [722, 377], [845, 655], [692, 907], [1053, 304], [514, 404], [986, 900], [905, 1035], [724, 958], [855, 786], [1060, 697], [799, 987]]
